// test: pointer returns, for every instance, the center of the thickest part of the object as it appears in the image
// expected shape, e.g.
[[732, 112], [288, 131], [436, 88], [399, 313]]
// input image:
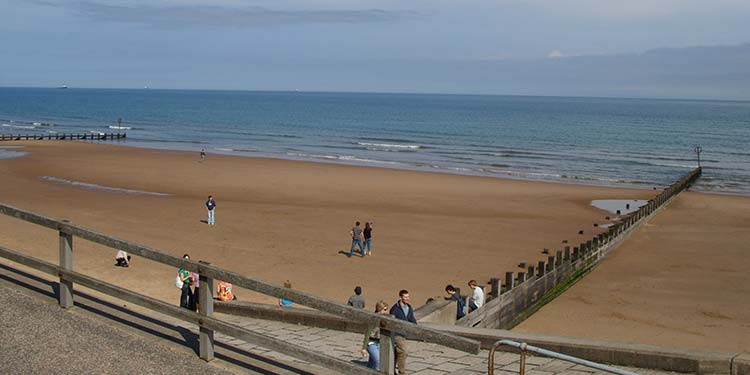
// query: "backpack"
[[178, 282]]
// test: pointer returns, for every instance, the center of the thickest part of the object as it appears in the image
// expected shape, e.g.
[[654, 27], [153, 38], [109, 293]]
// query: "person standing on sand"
[[356, 234], [203, 155], [371, 343], [211, 206], [357, 300], [402, 310], [368, 238]]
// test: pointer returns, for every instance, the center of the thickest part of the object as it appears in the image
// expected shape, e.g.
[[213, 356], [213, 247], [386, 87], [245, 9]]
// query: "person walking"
[[368, 238], [203, 155], [186, 295], [211, 206], [402, 310], [356, 234], [371, 343], [357, 300], [477, 297]]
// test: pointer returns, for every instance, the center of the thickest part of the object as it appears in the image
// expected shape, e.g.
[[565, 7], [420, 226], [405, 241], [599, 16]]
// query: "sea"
[[646, 143]]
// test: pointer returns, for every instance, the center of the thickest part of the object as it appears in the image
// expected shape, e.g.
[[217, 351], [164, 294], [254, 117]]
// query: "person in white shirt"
[[123, 259], [477, 298]]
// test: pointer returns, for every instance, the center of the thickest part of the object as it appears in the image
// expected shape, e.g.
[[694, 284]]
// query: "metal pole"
[[524, 347]]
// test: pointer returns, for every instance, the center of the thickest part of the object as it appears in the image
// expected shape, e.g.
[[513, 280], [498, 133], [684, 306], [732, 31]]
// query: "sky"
[[468, 46]]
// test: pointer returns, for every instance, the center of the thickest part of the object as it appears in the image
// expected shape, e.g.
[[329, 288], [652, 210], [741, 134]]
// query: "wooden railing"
[[205, 320]]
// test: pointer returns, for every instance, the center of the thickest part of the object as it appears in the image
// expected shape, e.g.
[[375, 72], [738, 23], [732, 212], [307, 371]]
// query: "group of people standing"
[[401, 310], [361, 238]]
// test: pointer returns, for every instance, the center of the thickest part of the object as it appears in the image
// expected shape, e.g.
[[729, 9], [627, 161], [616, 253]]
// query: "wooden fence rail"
[[208, 273]]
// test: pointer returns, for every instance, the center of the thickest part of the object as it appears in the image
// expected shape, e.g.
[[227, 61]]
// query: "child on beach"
[[285, 302], [224, 290]]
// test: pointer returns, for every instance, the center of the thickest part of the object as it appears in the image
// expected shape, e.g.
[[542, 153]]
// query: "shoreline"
[[408, 168]]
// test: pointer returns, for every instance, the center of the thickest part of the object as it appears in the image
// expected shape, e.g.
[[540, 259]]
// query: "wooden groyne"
[[63, 137], [525, 292]]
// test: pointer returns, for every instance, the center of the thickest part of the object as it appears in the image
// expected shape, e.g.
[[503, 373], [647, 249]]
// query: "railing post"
[[387, 356], [206, 306], [65, 292]]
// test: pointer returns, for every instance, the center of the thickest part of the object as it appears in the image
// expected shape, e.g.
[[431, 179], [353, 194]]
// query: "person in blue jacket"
[[460, 305], [402, 310]]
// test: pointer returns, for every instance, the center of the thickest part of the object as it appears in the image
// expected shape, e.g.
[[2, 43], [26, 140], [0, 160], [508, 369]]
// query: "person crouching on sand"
[[211, 206], [123, 259], [224, 290]]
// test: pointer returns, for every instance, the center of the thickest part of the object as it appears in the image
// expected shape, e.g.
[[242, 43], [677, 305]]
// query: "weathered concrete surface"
[[439, 311], [741, 364], [39, 337]]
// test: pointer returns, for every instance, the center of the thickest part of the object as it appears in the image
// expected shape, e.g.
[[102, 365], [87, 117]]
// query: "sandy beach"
[[280, 219], [681, 280]]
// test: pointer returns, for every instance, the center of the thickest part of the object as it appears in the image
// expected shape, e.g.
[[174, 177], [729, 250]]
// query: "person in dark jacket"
[[402, 310], [211, 206], [460, 305]]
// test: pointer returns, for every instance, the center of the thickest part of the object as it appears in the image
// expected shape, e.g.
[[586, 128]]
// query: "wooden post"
[[508, 281], [575, 254], [494, 287], [540, 269], [530, 273], [206, 306], [65, 292], [550, 263], [558, 258], [566, 257], [521, 278], [387, 356]]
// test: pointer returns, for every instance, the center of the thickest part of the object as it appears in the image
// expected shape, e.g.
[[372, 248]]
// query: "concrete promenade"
[[103, 337]]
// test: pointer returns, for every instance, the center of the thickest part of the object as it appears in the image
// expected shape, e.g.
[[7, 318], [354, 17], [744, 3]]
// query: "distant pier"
[[63, 137]]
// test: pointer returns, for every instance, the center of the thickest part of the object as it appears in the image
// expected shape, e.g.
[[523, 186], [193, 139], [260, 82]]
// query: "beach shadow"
[[345, 253], [204, 221]]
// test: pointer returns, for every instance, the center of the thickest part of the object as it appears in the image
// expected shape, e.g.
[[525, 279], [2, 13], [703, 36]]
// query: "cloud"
[[192, 15], [555, 54]]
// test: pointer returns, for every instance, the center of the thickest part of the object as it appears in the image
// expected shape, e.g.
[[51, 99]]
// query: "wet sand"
[[681, 280], [280, 219]]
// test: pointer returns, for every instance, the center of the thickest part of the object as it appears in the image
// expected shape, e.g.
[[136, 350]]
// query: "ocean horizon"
[[602, 141]]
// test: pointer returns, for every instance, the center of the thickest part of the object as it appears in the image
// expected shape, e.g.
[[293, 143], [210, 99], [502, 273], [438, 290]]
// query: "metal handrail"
[[524, 347]]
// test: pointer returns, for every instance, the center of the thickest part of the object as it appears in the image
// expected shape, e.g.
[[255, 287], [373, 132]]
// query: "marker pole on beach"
[[698, 150]]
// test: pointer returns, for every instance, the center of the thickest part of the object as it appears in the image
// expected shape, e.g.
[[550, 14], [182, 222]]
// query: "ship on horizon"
[[62, 87]]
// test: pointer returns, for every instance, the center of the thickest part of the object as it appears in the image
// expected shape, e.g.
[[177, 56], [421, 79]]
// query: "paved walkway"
[[102, 337]]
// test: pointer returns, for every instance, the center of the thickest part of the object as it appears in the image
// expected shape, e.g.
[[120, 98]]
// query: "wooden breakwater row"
[[63, 137], [524, 292]]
